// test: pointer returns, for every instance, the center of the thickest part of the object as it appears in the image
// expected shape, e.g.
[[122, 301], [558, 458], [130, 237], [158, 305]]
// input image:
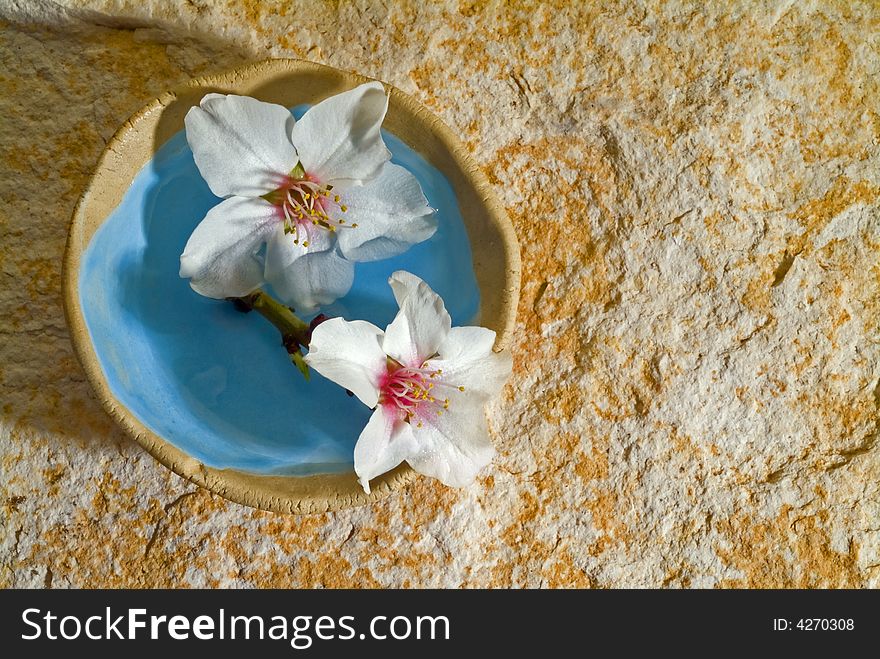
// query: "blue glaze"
[[214, 382]]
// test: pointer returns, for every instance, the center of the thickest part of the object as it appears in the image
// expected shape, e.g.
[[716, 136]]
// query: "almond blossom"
[[319, 193], [428, 382]]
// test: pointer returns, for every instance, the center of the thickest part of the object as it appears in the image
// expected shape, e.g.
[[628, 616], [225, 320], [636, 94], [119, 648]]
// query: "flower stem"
[[278, 314], [295, 332]]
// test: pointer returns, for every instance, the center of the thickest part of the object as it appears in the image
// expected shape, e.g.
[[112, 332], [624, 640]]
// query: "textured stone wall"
[[695, 397]]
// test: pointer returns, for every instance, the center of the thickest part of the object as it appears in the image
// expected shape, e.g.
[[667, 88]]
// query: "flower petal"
[[339, 139], [283, 248], [313, 280], [281, 251], [385, 442], [241, 145], [350, 354], [391, 214], [403, 283], [466, 359], [420, 326], [220, 255], [453, 447]]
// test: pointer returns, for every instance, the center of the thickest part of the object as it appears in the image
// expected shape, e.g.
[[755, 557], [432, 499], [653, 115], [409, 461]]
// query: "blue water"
[[214, 382]]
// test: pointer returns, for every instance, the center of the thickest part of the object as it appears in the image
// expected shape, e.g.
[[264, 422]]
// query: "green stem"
[[294, 331], [281, 316]]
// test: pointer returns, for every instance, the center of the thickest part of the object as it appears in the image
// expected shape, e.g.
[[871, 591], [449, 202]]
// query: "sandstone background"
[[695, 398]]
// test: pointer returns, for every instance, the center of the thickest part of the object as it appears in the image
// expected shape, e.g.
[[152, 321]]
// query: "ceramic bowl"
[[208, 391]]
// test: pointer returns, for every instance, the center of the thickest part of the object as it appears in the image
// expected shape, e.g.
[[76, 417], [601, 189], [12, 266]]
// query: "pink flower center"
[[415, 393], [304, 201]]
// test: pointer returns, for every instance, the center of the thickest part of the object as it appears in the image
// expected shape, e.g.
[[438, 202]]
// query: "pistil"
[[303, 201], [415, 392]]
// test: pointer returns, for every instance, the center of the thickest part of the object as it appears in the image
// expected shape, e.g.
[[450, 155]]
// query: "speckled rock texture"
[[695, 395]]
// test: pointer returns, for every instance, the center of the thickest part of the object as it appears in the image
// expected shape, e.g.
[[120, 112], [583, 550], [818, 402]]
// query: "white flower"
[[319, 192], [428, 382]]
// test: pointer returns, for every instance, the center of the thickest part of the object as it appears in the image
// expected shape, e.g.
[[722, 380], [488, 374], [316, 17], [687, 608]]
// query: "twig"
[[295, 332]]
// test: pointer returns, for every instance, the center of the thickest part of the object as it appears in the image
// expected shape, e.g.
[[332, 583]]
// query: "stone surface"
[[695, 396]]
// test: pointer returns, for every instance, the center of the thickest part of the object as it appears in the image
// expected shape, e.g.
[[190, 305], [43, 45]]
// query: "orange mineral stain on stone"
[[815, 215], [758, 550]]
